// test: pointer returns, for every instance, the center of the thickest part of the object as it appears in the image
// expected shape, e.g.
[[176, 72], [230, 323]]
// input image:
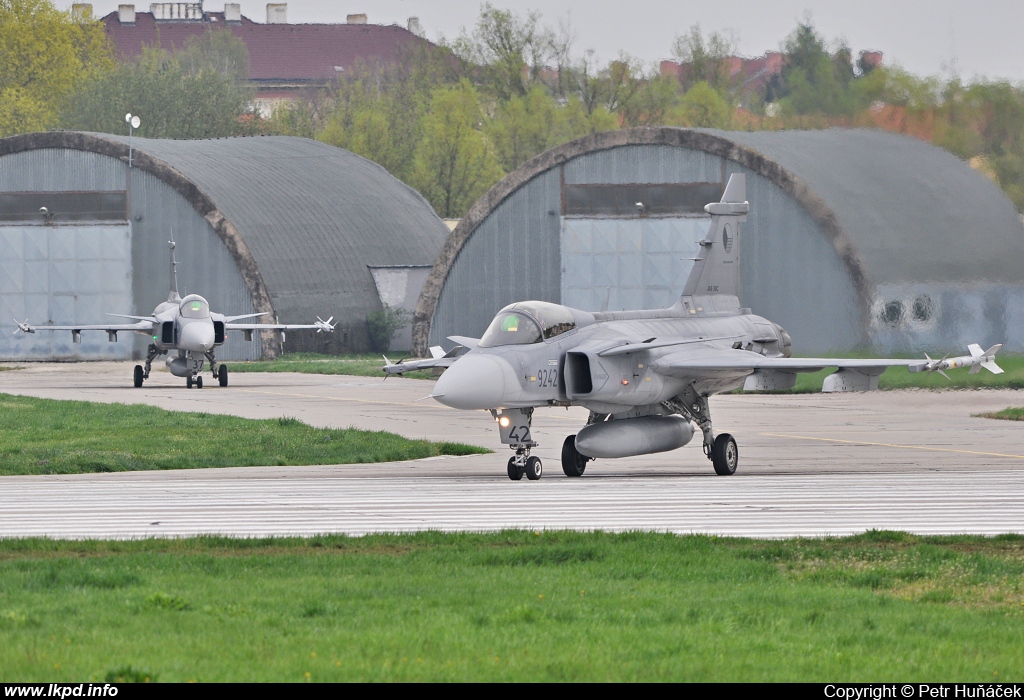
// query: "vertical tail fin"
[[173, 296], [716, 271]]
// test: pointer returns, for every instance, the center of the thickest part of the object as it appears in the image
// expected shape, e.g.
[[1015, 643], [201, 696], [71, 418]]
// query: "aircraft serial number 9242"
[[645, 376]]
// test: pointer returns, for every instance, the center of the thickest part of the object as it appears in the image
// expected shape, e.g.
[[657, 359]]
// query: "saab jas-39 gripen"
[[185, 325], [645, 376]]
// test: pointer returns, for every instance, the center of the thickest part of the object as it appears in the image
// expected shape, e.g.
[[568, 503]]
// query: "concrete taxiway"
[[809, 465]]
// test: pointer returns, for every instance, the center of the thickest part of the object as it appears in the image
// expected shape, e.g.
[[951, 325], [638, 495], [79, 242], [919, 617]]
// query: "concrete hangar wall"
[[279, 224], [855, 238]]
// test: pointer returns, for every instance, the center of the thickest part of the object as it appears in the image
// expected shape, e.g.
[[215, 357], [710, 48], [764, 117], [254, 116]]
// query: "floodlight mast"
[[133, 123]]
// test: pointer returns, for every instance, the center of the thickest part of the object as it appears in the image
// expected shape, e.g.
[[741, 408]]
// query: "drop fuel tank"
[[634, 436]]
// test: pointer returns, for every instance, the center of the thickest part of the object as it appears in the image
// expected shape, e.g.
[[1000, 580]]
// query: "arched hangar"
[[855, 238], [274, 224]]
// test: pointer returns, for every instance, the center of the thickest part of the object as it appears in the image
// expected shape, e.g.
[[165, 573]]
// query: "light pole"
[[133, 123]]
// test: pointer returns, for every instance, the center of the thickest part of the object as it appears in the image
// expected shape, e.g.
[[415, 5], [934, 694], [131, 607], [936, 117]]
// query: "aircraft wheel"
[[188, 382], [514, 472], [222, 375], [138, 376], [573, 463], [725, 455], [534, 468], [199, 382]]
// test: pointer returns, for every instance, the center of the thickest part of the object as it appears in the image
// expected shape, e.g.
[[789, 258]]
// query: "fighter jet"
[[645, 376], [185, 325]]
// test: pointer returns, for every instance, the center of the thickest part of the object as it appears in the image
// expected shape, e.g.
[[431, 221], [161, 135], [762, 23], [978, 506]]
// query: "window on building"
[[59, 207], [637, 200]]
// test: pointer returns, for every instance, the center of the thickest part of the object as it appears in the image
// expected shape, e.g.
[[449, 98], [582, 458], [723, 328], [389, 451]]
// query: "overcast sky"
[[976, 38]]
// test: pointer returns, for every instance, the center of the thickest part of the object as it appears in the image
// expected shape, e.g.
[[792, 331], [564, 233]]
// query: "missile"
[[976, 360]]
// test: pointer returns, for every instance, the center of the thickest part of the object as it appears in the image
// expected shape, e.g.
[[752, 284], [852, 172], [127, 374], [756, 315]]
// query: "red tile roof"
[[276, 51]]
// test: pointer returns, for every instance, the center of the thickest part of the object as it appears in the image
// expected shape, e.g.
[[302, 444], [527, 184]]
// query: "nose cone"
[[474, 382], [196, 336]]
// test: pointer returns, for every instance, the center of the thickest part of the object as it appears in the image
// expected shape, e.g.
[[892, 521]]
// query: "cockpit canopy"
[[528, 322], [194, 306]]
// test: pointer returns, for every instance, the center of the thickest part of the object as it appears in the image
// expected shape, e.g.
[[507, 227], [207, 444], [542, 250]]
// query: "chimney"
[[126, 14], [232, 12], [81, 11], [277, 13], [415, 27], [356, 19]]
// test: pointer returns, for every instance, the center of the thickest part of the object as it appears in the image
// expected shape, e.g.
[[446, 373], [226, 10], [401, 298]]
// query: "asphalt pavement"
[[809, 465]]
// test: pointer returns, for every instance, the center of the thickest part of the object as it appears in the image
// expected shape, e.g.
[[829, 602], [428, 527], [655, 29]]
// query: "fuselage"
[[599, 360], [187, 325]]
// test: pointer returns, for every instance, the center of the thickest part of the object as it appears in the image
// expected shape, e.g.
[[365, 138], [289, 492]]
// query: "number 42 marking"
[[520, 433]]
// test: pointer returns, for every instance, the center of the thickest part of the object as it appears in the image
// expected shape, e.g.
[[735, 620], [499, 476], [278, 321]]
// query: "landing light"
[[504, 421]]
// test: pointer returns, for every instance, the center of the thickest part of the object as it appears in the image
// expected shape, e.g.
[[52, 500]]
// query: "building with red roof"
[[284, 58]]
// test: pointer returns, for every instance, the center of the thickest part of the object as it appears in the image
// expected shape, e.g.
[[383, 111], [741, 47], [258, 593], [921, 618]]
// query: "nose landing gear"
[[514, 426]]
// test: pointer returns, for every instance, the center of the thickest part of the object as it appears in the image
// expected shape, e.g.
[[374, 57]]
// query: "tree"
[[45, 55], [705, 61], [522, 127], [382, 324], [814, 81], [174, 102], [702, 106], [509, 50], [654, 100], [573, 121], [454, 163]]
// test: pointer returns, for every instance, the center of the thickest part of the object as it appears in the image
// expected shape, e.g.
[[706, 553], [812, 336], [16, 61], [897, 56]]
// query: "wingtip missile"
[[323, 326], [24, 327], [977, 360]]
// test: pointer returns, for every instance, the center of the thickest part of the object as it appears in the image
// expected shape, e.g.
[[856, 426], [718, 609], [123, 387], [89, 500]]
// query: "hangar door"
[[67, 265], [627, 247]]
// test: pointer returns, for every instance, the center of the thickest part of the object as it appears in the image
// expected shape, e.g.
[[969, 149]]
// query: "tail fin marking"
[[716, 269]]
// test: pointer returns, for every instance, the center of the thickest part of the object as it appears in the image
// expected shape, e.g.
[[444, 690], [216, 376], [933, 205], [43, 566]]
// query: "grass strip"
[[901, 378], [43, 436], [314, 363], [514, 606], [1005, 414]]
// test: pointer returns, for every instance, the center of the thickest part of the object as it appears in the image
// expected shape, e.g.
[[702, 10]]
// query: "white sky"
[[974, 38]]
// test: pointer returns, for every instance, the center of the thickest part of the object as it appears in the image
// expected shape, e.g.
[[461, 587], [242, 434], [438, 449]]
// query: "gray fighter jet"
[[185, 325], [645, 376]]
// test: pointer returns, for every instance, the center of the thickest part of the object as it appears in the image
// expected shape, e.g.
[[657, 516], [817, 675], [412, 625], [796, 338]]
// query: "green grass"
[[892, 378], [43, 436], [514, 606], [313, 363], [1005, 414]]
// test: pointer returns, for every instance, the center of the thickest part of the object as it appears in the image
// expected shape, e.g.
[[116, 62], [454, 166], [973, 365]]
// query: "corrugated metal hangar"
[[855, 238], [280, 224]]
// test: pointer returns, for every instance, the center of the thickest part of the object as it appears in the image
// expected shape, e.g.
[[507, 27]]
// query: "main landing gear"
[[515, 426], [220, 372], [141, 374], [191, 363], [721, 450], [573, 463]]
